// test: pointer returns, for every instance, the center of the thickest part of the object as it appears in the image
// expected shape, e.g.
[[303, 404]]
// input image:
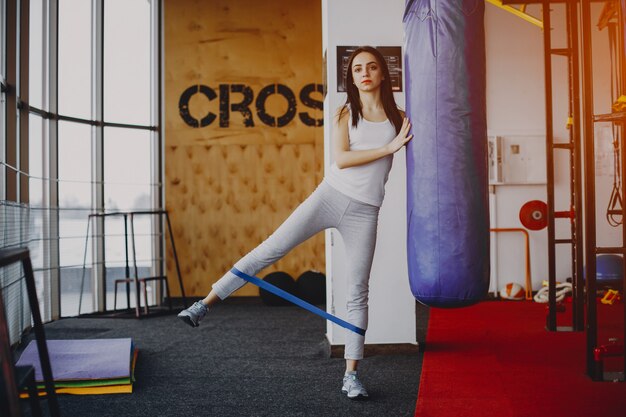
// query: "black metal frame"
[[547, 50], [9, 397], [136, 280], [16, 87], [594, 363], [98, 123], [573, 147], [580, 68], [11, 100], [22, 255], [52, 231], [25, 377], [576, 195], [24, 96]]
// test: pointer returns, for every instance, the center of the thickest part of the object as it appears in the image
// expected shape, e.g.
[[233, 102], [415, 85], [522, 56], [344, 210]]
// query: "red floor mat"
[[496, 359]]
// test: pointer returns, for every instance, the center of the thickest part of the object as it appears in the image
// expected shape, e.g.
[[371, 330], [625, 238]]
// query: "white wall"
[[392, 307], [516, 106]]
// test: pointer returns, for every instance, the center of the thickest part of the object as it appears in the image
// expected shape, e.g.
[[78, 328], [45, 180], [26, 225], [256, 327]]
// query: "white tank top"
[[366, 182]]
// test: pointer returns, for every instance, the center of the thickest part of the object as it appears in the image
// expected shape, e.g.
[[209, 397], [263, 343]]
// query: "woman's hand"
[[401, 139], [345, 158]]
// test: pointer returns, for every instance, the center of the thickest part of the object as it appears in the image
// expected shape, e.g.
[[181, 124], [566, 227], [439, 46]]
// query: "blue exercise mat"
[[82, 359]]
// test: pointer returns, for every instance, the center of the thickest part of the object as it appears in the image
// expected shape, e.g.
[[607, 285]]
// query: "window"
[[127, 187], [74, 165], [127, 169], [36, 186], [127, 55], [36, 57], [36, 182], [78, 150], [75, 55], [75, 188]]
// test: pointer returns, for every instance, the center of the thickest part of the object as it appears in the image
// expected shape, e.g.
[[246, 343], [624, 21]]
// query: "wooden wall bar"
[[243, 131]]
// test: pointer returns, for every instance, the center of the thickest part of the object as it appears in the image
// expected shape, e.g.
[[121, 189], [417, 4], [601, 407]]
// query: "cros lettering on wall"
[[228, 103], [244, 135]]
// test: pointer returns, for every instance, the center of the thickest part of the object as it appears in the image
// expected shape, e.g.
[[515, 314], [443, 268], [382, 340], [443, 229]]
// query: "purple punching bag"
[[447, 176]]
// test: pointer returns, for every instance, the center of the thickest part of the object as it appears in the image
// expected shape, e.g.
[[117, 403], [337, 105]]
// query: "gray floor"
[[246, 359]]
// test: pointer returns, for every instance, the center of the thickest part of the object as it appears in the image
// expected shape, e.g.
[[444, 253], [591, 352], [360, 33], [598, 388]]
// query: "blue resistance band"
[[297, 301]]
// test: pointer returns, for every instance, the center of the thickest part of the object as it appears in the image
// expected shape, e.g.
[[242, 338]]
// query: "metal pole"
[[97, 114], [11, 404], [590, 188], [24, 66], [547, 56], [40, 335], [11, 192], [621, 54], [137, 289], [180, 278], [82, 281], [578, 305], [52, 246], [127, 270]]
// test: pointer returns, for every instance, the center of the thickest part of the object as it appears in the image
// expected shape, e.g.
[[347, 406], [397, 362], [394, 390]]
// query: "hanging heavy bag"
[[447, 176]]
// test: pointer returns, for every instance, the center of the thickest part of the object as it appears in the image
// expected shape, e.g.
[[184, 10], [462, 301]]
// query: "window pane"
[[75, 58], [73, 279], [127, 169], [74, 165], [36, 54], [74, 193], [35, 160], [118, 256], [127, 188], [127, 61]]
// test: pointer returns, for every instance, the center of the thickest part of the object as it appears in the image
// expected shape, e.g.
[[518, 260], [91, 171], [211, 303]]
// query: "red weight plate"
[[534, 215]]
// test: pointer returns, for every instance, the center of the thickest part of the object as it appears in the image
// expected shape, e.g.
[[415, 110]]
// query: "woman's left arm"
[[344, 157]]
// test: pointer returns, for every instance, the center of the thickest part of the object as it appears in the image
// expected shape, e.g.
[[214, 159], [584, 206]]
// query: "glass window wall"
[[74, 157]]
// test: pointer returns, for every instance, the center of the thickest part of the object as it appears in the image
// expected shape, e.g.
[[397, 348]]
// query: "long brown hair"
[[386, 93]]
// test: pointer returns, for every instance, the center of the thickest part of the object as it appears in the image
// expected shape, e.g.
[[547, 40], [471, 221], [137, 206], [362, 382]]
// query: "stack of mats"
[[91, 366]]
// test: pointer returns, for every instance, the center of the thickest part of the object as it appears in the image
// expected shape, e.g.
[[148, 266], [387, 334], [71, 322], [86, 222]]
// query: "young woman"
[[367, 131]]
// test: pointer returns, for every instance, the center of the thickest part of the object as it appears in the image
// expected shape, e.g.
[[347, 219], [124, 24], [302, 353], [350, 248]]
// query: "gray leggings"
[[323, 209]]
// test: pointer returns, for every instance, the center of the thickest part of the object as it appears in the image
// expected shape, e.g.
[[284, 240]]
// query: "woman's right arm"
[[345, 158]]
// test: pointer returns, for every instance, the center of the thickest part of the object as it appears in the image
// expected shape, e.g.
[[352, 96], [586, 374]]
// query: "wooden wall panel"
[[228, 188]]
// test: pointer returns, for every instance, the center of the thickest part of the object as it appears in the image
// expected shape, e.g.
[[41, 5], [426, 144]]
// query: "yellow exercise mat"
[[109, 389]]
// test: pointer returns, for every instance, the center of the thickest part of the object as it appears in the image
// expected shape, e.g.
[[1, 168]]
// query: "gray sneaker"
[[193, 314], [353, 388]]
